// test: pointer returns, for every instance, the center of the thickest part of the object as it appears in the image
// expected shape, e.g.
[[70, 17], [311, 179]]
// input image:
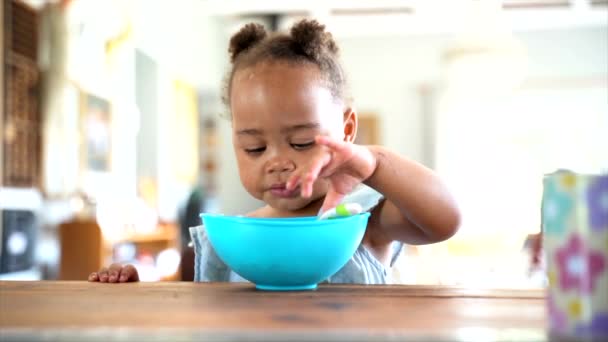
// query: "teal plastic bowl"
[[285, 254]]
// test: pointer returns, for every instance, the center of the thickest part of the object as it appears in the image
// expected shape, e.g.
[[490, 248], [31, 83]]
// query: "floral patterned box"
[[575, 229]]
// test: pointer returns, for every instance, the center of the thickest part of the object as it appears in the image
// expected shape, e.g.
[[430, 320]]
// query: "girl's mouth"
[[283, 192]]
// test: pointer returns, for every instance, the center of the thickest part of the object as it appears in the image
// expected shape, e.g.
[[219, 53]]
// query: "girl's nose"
[[280, 165]]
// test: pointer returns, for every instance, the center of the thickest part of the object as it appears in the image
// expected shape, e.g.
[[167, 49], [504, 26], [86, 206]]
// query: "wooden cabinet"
[[84, 250], [81, 249]]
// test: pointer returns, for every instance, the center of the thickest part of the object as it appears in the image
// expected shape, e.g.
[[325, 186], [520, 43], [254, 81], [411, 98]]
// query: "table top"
[[231, 312]]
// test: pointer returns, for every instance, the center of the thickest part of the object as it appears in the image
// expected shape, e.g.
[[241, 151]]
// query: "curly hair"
[[307, 43]]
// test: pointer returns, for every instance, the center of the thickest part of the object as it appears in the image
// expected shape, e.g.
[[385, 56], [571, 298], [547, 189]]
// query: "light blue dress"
[[362, 268]]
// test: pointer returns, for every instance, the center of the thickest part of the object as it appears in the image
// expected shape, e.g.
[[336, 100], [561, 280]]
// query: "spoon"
[[341, 210]]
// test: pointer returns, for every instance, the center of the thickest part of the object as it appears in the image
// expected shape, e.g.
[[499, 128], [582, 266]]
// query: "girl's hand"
[[116, 273], [343, 164]]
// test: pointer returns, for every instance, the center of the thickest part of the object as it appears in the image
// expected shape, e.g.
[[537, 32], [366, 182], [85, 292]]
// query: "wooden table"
[[237, 312]]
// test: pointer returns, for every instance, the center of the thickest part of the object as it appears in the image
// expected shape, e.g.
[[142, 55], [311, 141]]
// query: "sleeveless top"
[[362, 268]]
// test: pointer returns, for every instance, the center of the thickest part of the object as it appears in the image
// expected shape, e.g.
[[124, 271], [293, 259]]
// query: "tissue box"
[[575, 233]]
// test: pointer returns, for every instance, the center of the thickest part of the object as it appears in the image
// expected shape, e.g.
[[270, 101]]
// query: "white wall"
[[386, 73], [579, 53]]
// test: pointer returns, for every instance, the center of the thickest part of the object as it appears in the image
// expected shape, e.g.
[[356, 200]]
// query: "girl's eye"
[[303, 146], [257, 150]]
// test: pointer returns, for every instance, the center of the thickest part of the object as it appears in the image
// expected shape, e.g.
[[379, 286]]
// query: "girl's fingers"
[[332, 199], [293, 181], [123, 275], [341, 152], [93, 277], [313, 173], [334, 144], [103, 275], [129, 273], [114, 272], [320, 166]]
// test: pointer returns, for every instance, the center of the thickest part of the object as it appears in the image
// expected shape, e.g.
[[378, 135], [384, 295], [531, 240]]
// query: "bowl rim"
[[281, 221]]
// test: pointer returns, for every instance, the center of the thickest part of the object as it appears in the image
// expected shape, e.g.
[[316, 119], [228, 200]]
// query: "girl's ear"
[[350, 125]]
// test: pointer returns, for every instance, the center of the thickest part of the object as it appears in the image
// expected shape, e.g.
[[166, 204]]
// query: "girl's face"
[[277, 110]]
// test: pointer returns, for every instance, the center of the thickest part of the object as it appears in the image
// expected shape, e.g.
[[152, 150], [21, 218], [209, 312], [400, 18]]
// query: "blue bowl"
[[283, 254]]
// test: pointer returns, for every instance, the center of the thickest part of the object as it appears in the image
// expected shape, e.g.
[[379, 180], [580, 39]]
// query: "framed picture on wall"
[[95, 126], [367, 131]]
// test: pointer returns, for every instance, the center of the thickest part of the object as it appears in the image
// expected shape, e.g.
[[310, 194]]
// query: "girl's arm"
[[418, 208]]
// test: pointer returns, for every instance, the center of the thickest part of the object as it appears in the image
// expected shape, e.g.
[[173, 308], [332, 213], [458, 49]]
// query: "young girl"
[[293, 127]]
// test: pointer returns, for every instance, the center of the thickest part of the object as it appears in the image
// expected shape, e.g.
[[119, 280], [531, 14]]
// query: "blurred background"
[[112, 136]]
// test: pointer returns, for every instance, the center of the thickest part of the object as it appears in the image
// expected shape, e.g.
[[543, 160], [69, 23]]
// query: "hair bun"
[[248, 36], [311, 38]]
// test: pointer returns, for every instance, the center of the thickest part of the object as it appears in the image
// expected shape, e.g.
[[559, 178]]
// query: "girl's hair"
[[306, 44]]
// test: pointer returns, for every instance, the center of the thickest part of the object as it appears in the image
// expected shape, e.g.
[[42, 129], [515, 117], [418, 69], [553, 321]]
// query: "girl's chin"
[[290, 204], [297, 204]]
